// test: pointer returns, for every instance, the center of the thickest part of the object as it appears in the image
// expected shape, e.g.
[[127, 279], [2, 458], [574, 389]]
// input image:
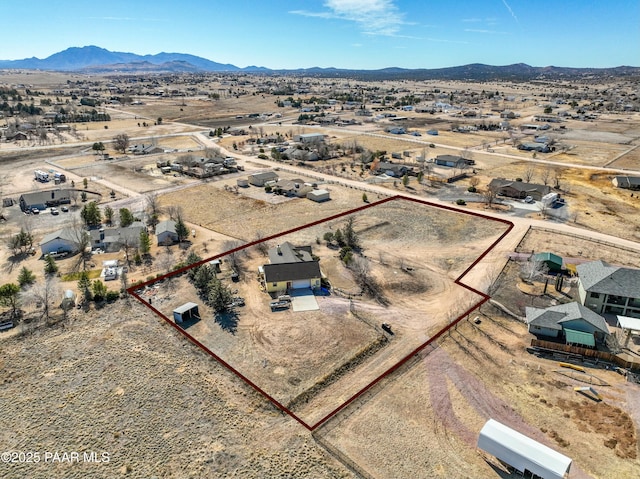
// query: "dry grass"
[[119, 381]]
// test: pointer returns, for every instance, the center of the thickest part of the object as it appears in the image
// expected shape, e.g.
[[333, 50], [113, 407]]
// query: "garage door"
[[301, 283]]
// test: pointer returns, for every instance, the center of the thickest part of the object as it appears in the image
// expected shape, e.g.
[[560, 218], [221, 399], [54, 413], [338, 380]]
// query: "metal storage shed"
[[319, 195], [185, 312], [522, 452]]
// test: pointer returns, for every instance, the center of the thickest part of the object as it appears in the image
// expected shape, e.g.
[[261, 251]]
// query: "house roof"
[[38, 197], [555, 316], [131, 234], [628, 181], [166, 225], [287, 253], [185, 307], [274, 273], [265, 175], [518, 185], [453, 158], [579, 337], [65, 234], [600, 277]]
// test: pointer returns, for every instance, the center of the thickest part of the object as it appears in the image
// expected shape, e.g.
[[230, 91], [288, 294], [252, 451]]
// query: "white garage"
[[522, 452], [301, 283]]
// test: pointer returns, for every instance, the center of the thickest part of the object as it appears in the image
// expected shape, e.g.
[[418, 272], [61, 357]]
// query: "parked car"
[[529, 199], [54, 211], [35, 211], [64, 209]]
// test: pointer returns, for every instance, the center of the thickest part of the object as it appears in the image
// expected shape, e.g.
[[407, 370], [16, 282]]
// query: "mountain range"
[[93, 59]]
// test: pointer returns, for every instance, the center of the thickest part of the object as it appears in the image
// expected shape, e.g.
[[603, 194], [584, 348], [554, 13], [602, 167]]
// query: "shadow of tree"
[[13, 261], [228, 321]]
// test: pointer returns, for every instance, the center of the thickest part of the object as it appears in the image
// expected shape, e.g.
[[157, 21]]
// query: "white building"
[[521, 452]]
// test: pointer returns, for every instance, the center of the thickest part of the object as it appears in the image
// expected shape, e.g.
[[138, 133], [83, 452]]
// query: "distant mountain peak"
[[95, 59]]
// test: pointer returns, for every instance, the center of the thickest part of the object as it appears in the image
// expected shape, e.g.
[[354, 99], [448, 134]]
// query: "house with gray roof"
[[571, 321], [604, 288], [45, 198], [166, 232], [393, 169], [259, 179], [518, 189], [290, 267], [113, 239], [62, 241]]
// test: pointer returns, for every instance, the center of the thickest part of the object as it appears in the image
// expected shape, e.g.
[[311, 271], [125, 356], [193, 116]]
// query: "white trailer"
[[41, 176], [549, 199]]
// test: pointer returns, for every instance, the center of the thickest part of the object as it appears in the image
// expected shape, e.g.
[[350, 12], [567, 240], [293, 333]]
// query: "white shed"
[[319, 195], [522, 452]]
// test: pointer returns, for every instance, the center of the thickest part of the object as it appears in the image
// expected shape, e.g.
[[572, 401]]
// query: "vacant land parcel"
[[314, 361]]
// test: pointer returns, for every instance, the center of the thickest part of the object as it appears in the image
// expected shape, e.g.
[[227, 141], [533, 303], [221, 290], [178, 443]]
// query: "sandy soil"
[[415, 253], [441, 403], [119, 381]]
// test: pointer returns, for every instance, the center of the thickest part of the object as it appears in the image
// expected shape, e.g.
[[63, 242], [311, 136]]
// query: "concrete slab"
[[303, 300]]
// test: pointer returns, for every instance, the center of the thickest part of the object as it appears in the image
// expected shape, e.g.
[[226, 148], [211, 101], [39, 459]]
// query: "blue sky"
[[365, 34]]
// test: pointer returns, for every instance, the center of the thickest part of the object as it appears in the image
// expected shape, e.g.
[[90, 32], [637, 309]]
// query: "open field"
[[441, 402], [415, 252], [117, 379]]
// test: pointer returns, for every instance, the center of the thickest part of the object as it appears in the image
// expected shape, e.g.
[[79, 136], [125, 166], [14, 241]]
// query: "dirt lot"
[[414, 253]]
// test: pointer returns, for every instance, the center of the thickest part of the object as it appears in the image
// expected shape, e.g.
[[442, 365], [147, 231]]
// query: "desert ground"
[[415, 252], [115, 378]]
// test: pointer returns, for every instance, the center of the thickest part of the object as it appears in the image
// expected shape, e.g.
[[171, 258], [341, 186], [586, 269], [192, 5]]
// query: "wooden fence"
[[586, 353]]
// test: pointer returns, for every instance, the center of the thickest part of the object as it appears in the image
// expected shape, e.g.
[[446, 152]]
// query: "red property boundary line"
[[133, 291]]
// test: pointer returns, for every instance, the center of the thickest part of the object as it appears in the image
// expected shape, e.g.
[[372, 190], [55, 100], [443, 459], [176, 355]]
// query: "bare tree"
[[82, 240], [533, 269], [528, 173], [174, 212], [557, 176], [44, 295], [544, 209], [545, 175], [121, 142], [233, 258], [261, 245], [165, 261], [153, 208], [489, 195]]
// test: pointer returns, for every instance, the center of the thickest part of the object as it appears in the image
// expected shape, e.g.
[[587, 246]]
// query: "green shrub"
[[112, 295], [471, 189], [461, 202]]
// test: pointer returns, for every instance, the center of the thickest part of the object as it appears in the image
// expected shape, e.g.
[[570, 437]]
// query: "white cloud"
[[374, 17], [480, 30]]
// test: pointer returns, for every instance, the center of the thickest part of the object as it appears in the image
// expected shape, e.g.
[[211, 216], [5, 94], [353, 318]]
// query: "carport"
[[628, 326], [186, 312]]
